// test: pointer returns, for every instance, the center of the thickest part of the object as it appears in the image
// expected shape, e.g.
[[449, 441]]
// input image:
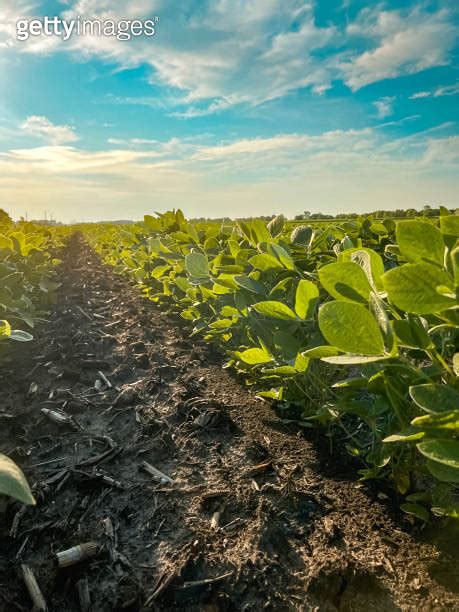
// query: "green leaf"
[[282, 285], [435, 397], [419, 288], [301, 363], [5, 329], [254, 356], [345, 281], [445, 452], [276, 225], [259, 230], [272, 394], [411, 333], [360, 256], [287, 344], [307, 294], [416, 510], [286, 370], [302, 235], [445, 420], [191, 231], [379, 229], [229, 311], [352, 359], [356, 382], [13, 482], [449, 227], [405, 437], [456, 363], [20, 336], [442, 472], [265, 262], [419, 240], [197, 265], [151, 222], [351, 328], [276, 310], [250, 284], [321, 351], [282, 255], [221, 324]]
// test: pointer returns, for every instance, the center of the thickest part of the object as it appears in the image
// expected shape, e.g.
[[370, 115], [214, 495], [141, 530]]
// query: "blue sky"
[[234, 107]]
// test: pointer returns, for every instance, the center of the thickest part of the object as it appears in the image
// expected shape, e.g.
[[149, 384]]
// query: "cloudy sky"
[[234, 107]]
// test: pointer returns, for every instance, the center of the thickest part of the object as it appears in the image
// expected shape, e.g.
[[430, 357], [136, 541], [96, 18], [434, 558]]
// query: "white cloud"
[[442, 150], [447, 90], [420, 94], [444, 90], [41, 127], [335, 170], [403, 43], [214, 54], [132, 141], [384, 106]]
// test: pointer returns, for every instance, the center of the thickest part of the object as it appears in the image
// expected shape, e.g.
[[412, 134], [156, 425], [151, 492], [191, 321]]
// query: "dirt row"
[[194, 495]]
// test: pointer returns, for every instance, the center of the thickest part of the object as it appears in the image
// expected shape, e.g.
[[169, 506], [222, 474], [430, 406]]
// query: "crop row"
[[353, 327], [26, 291]]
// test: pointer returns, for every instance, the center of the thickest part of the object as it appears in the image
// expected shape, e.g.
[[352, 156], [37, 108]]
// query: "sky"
[[233, 108]]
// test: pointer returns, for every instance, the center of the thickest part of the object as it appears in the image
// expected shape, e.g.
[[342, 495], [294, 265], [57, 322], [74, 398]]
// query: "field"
[[235, 416]]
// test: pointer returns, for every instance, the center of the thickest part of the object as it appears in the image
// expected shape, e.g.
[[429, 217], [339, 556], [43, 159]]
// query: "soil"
[[250, 513]]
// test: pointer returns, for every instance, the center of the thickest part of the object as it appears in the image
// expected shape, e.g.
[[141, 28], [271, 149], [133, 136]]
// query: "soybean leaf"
[[280, 371], [408, 436], [5, 329], [302, 235], [249, 283], [435, 398], [254, 356], [306, 297], [445, 452], [352, 359], [321, 351], [282, 255], [449, 227], [419, 240], [301, 363], [287, 344], [276, 225], [444, 473], [197, 265], [456, 363], [351, 328], [276, 310], [411, 333], [221, 324], [379, 229], [13, 482], [419, 288], [265, 262], [416, 510], [445, 420], [20, 336], [345, 281], [376, 266]]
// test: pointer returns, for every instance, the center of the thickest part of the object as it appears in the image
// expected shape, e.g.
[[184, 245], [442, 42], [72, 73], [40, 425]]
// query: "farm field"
[[318, 471]]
